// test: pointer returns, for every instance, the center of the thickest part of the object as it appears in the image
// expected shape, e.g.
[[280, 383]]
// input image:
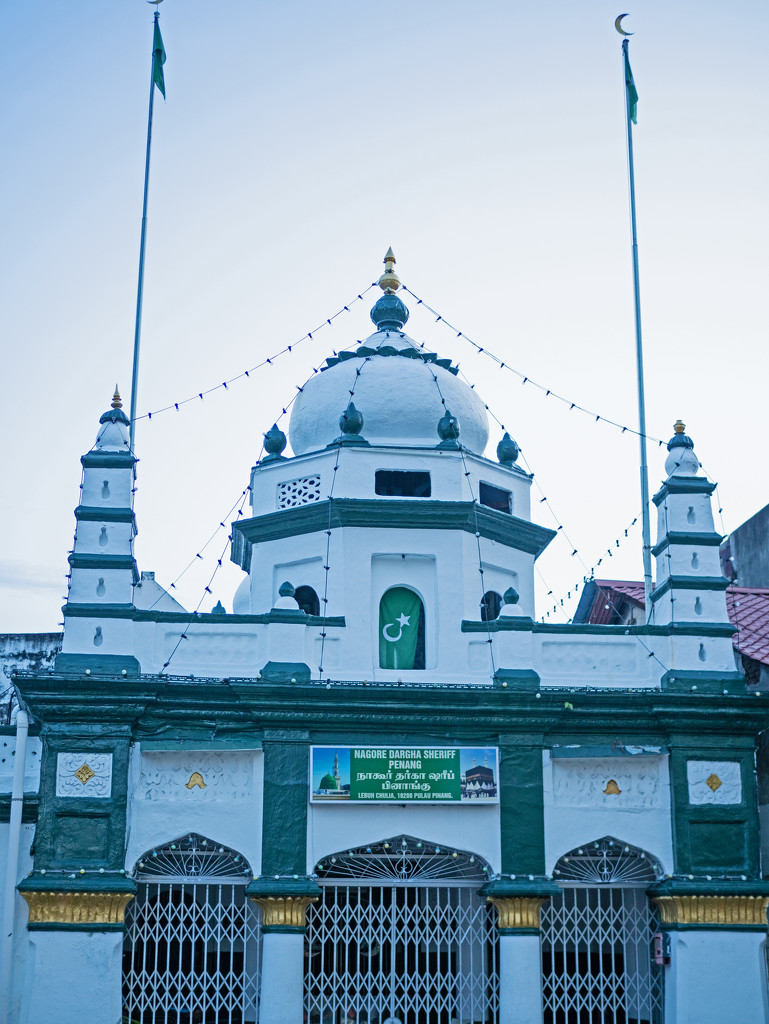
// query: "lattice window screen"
[[303, 491]]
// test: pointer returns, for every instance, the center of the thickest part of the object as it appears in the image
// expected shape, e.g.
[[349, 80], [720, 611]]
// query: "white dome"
[[396, 394]]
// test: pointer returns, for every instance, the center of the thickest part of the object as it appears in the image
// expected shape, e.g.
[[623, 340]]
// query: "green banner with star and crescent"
[[398, 628]]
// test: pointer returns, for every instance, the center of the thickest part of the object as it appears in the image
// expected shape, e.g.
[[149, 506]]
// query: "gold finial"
[[679, 426], [116, 402], [389, 281], [612, 789]]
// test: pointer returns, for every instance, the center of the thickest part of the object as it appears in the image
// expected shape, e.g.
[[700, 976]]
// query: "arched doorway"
[[597, 938], [401, 932], [192, 946]]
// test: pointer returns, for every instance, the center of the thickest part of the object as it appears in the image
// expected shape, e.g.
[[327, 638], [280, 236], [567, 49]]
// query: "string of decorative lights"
[[184, 635], [560, 530], [589, 576], [450, 429], [268, 361], [548, 392], [575, 551], [348, 413]]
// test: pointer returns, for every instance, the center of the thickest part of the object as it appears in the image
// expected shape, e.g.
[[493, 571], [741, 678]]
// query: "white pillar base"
[[520, 979], [76, 978], [715, 977], [282, 994]]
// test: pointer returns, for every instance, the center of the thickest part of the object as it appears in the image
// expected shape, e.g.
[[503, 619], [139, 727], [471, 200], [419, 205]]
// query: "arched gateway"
[[597, 938], [401, 932], [192, 946]]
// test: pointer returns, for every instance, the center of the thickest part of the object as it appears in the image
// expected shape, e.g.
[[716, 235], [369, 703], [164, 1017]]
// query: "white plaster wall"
[[89, 538], [356, 468], [117, 585], [716, 977], [79, 633], [676, 560], [578, 812], [684, 513], [228, 810], [76, 978], [707, 653], [31, 768], [119, 482], [677, 605], [21, 949], [331, 829], [299, 572], [602, 661]]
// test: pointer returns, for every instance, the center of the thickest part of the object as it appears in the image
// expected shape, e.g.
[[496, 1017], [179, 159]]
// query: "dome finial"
[[116, 400], [679, 427], [389, 281]]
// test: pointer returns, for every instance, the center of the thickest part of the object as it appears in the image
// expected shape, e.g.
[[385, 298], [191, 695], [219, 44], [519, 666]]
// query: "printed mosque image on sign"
[[400, 775]]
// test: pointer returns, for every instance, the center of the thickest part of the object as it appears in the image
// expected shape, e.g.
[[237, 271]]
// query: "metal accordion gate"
[[597, 936], [401, 936], [192, 946]]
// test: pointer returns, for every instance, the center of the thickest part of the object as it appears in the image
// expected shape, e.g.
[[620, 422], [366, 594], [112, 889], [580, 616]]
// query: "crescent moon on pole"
[[156, 2], [617, 23]]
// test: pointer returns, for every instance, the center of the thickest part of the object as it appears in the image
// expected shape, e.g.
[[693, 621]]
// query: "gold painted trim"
[[77, 907], [517, 911], [720, 910], [289, 911]]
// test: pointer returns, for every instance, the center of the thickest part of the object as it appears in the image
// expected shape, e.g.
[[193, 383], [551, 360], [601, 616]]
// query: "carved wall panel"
[[621, 782], [84, 774], [196, 775]]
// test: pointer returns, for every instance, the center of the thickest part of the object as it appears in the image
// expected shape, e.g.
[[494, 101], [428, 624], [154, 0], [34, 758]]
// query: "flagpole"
[[645, 519], [142, 247]]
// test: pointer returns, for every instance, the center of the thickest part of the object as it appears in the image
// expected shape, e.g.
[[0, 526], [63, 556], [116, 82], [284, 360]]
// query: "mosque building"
[[378, 790]]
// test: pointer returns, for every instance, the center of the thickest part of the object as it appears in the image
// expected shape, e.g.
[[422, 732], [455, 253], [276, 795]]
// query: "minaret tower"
[[689, 591], [98, 615]]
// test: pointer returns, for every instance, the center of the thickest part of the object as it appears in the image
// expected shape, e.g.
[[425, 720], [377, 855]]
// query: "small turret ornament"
[[351, 424], [448, 430], [274, 444], [507, 451]]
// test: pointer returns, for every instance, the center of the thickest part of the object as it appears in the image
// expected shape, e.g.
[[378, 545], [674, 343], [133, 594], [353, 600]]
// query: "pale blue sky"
[[484, 142]]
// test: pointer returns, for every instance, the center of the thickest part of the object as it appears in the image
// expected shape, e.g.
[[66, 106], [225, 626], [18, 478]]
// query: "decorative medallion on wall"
[[84, 774], [612, 789], [714, 782], [196, 775]]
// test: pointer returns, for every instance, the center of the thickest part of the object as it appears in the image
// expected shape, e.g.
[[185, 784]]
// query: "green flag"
[[632, 92], [399, 612], [158, 60]]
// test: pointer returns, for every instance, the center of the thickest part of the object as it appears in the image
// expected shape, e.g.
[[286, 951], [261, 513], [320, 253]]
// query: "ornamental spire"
[[389, 281], [116, 400]]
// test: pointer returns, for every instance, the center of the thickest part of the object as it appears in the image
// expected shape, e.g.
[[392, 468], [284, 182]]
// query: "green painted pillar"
[[521, 805], [286, 795], [714, 807]]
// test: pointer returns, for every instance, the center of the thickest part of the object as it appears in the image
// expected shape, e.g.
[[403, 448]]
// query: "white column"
[[77, 978], [715, 977], [520, 979], [282, 977]]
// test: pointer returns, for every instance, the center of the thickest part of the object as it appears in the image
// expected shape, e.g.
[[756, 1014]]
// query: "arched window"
[[192, 942], [307, 600], [491, 605], [401, 931], [401, 630], [597, 937]]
